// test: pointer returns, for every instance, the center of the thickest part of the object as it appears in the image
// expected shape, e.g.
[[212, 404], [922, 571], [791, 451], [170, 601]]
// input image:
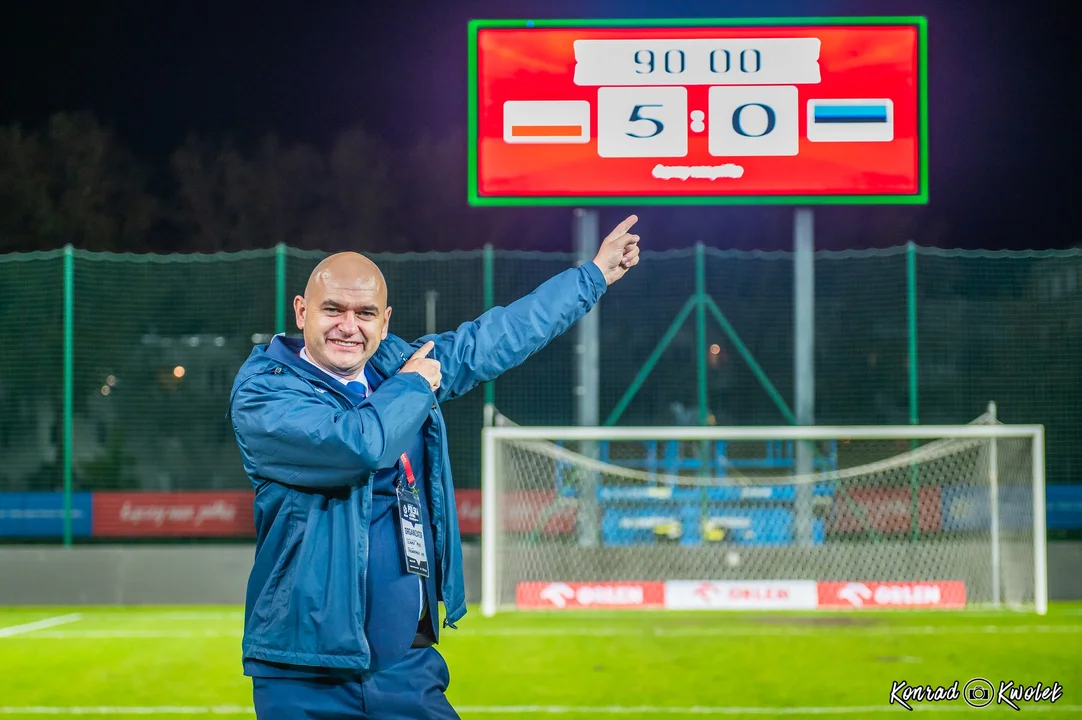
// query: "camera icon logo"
[[978, 693]]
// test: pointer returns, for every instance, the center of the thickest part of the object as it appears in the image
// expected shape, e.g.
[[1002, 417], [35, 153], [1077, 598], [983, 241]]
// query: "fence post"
[[911, 308], [69, 382], [911, 323], [489, 260], [700, 367], [700, 331], [280, 288]]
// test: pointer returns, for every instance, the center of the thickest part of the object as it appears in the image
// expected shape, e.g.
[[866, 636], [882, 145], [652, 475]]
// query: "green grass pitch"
[[185, 662]]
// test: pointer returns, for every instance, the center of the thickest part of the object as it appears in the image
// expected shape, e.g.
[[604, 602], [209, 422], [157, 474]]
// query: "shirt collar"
[[360, 376]]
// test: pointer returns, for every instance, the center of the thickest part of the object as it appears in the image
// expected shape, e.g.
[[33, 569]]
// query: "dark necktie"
[[356, 387]]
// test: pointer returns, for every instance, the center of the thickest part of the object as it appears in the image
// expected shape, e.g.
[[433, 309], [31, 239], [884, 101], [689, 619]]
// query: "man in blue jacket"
[[357, 536]]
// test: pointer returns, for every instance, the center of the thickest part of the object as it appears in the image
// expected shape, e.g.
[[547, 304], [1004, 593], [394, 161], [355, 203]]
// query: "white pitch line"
[[773, 631], [896, 630], [129, 710], [714, 710], [132, 634], [30, 627], [536, 709], [27, 633]]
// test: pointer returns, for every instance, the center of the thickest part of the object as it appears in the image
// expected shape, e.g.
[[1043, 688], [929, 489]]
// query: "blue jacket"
[[309, 452]]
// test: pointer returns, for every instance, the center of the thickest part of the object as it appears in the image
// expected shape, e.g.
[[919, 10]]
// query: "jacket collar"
[[389, 357]]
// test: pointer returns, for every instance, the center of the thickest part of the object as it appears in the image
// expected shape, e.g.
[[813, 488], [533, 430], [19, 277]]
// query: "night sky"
[[1004, 85]]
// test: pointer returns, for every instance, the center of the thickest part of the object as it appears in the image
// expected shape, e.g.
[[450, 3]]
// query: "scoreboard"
[[782, 111]]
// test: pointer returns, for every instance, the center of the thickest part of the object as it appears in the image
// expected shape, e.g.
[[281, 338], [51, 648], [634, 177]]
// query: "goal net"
[[792, 518]]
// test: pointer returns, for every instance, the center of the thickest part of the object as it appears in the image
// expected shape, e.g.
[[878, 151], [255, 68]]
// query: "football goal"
[[794, 518]]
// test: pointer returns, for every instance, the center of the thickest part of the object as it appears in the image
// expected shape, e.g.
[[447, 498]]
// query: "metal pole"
[[587, 383], [69, 382], [993, 482], [1040, 527], [430, 312], [587, 242], [804, 361]]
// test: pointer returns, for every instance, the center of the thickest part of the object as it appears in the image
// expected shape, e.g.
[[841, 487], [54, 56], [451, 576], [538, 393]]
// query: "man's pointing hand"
[[619, 252]]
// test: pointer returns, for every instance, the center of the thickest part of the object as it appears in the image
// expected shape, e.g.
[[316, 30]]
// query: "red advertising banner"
[[173, 514], [523, 511], [537, 511], [722, 111], [887, 510], [881, 595], [468, 503], [229, 513], [600, 595]]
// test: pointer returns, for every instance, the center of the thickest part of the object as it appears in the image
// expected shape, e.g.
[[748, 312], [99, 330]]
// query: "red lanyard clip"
[[409, 470]]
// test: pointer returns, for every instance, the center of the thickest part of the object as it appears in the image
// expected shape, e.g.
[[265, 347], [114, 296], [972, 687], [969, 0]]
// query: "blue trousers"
[[412, 688]]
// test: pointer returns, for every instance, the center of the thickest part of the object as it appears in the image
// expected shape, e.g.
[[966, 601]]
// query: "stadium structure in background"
[[783, 111]]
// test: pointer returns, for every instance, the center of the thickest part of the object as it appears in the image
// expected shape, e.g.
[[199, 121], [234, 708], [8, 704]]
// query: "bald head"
[[347, 270], [343, 313]]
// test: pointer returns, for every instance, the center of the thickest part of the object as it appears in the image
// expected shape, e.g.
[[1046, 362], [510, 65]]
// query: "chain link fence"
[[117, 371]]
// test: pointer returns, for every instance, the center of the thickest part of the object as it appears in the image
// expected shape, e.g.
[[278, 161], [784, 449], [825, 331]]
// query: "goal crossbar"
[[788, 432]]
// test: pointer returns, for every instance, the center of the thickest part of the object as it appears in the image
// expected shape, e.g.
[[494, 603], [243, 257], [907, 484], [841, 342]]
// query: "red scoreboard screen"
[[783, 111]]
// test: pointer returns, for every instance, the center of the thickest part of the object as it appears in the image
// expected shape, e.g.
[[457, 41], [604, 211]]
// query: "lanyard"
[[409, 470]]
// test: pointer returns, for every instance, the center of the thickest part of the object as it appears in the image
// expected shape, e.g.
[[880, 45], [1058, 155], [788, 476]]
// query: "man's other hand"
[[619, 251], [427, 367]]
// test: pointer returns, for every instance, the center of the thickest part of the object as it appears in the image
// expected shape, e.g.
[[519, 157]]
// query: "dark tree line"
[[73, 180]]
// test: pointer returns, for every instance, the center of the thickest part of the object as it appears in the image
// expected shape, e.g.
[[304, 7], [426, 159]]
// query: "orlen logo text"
[[855, 593], [943, 594], [558, 594], [758, 593], [711, 592], [590, 595], [747, 595]]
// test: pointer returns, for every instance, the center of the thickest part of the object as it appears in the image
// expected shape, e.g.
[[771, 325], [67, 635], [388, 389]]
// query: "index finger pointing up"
[[623, 227]]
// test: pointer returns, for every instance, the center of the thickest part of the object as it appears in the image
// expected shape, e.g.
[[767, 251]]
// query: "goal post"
[[908, 516]]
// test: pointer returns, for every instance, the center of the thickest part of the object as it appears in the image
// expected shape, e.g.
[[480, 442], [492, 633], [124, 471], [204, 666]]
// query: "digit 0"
[[721, 61], [771, 119], [758, 57], [715, 58], [668, 59]]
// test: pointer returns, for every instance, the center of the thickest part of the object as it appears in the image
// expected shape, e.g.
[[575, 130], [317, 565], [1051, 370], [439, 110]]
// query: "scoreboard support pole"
[[804, 362], [587, 386]]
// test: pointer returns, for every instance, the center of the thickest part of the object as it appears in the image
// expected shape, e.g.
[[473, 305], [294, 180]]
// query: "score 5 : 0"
[[721, 61]]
